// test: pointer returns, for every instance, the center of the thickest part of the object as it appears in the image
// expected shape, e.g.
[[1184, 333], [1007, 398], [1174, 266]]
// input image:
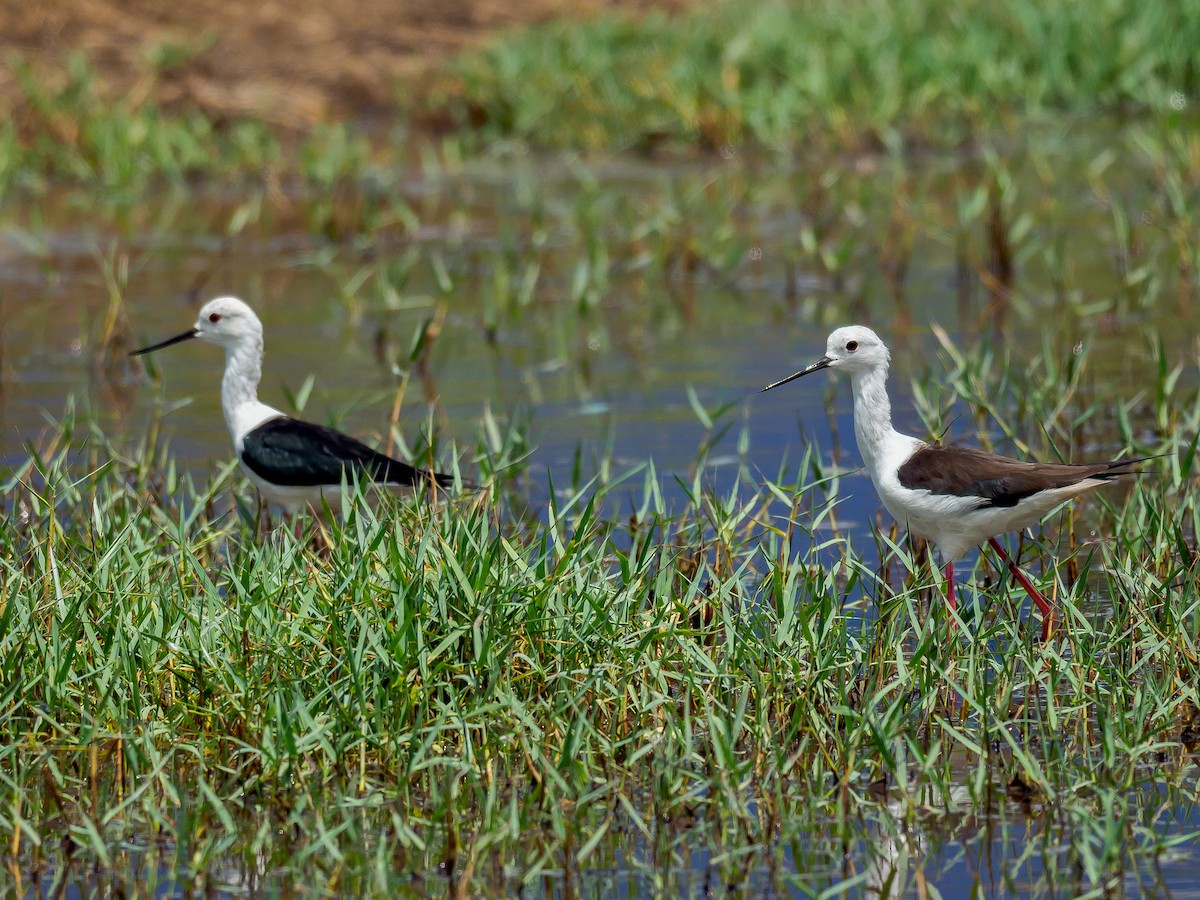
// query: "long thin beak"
[[822, 363], [178, 339]]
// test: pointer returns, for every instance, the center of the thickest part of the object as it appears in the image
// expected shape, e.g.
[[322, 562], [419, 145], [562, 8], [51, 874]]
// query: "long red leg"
[[1047, 609], [949, 571], [950, 601]]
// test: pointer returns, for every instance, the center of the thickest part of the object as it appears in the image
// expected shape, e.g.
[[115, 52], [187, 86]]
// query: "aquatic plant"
[[820, 76], [450, 691]]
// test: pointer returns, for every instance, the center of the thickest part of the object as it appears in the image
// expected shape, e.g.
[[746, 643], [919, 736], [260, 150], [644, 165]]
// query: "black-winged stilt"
[[290, 461], [956, 497]]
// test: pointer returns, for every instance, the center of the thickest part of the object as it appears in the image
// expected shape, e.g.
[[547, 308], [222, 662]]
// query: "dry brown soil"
[[290, 62]]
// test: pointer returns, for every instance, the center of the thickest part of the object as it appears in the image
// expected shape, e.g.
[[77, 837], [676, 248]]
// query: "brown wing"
[[996, 480]]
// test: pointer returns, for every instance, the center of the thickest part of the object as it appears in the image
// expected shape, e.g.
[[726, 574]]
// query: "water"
[[651, 281], [733, 306], [957, 847], [641, 402]]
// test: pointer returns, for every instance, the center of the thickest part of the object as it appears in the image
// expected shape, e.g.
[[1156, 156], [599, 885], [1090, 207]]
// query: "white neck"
[[873, 419], [239, 389]]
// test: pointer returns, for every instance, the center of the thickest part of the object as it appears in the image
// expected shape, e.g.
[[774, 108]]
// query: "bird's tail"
[[1119, 467], [441, 479]]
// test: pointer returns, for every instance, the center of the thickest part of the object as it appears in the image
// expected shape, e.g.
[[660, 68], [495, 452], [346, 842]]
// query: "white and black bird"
[[955, 497], [292, 463]]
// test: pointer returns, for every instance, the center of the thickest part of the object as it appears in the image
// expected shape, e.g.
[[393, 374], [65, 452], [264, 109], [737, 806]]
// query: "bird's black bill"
[[179, 338], [821, 363]]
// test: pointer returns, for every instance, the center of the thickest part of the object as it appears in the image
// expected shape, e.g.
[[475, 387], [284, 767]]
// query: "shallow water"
[[609, 371], [578, 374], [895, 848], [597, 361]]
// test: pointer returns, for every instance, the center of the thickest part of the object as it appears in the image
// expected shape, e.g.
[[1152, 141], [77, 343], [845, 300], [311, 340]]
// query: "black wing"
[[996, 480], [292, 453]]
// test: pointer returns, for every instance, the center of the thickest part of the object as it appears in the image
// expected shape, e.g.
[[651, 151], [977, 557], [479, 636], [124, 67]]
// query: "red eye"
[[214, 318], [851, 346]]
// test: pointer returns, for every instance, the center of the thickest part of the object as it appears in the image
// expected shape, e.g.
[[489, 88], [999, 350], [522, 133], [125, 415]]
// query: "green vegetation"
[[824, 74], [72, 135], [624, 680], [439, 687], [128, 147], [821, 76]]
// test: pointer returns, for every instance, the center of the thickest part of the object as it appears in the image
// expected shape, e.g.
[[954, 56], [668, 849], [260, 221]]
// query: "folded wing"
[[293, 453], [997, 480]]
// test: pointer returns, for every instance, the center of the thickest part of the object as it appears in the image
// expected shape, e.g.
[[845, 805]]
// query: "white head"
[[225, 321], [853, 349]]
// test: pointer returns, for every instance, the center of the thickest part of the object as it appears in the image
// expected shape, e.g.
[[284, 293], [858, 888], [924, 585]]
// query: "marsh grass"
[[828, 78], [68, 133], [448, 691], [579, 274], [620, 678], [823, 75]]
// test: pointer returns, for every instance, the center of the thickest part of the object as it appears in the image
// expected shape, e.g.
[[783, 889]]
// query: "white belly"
[[957, 524], [294, 498]]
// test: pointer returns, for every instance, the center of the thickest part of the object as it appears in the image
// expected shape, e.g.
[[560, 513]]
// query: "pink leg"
[[296, 531], [950, 601], [1035, 595]]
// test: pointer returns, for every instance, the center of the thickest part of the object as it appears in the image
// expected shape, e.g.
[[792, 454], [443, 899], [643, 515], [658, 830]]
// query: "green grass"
[[70, 134], [449, 688], [497, 692], [127, 147], [1075, 229], [819, 77], [822, 75]]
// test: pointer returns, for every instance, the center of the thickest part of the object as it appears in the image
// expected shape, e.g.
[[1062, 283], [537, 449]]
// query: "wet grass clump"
[[73, 133], [70, 134], [713, 679], [625, 683], [824, 77], [821, 75]]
